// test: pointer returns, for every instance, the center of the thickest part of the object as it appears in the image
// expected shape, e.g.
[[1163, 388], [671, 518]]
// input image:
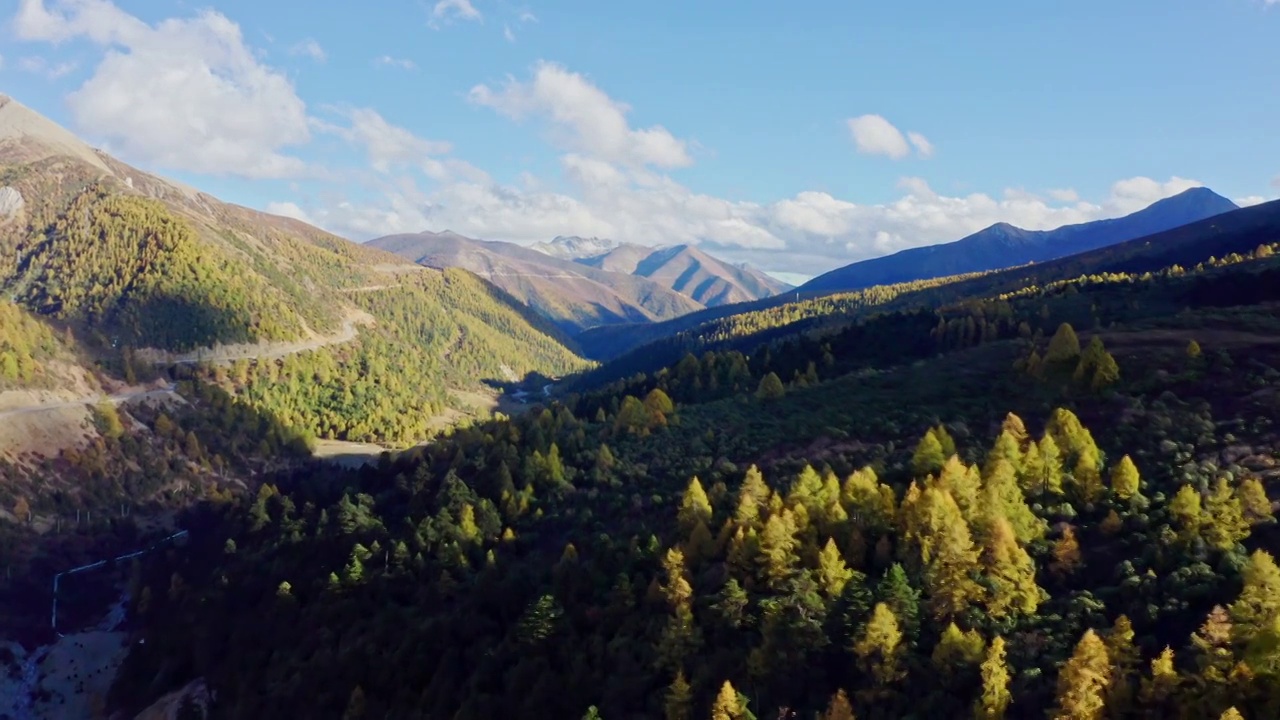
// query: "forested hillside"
[[433, 334], [1236, 234], [1047, 500], [160, 348]]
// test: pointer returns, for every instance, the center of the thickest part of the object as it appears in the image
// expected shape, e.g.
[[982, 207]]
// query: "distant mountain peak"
[[1005, 245], [573, 247]]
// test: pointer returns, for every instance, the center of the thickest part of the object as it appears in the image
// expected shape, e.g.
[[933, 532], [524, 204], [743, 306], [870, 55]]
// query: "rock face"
[[11, 202]]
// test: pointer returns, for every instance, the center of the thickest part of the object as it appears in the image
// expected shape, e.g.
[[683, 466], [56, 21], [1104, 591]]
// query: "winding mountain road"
[[114, 399], [222, 353], [260, 350]]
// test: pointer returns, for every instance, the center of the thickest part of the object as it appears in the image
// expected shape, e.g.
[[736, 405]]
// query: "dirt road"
[[260, 350], [114, 399]]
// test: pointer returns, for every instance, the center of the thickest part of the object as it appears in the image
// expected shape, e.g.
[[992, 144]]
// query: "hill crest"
[[1004, 245]]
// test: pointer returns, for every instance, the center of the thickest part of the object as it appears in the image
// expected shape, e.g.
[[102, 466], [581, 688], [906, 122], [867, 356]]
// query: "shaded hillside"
[[1240, 231], [573, 296], [691, 272], [1003, 245]]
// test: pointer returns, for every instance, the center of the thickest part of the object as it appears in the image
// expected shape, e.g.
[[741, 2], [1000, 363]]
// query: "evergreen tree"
[[1258, 605], [1125, 481], [1083, 681], [770, 387], [1064, 347], [694, 507], [726, 706], [895, 591], [778, 548], [1010, 574], [1007, 448], [945, 441], [1157, 691], [957, 651], [1043, 468], [1106, 372], [1086, 479], [1014, 427], [1124, 658], [679, 699], [839, 708], [1254, 503], [1186, 512], [1223, 518], [832, 571], [1001, 497], [752, 496], [964, 484], [928, 457], [880, 650], [1066, 554], [948, 556], [996, 698]]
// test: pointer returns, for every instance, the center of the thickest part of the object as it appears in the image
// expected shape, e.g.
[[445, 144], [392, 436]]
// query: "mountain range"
[[580, 283], [1002, 245]]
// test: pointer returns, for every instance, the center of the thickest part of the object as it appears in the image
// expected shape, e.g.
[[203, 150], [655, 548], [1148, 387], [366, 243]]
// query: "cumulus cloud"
[[184, 94], [583, 118], [446, 11], [808, 233], [309, 48], [388, 61], [388, 146], [1250, 200], [39, 66], [874, 135], [1066, 195]]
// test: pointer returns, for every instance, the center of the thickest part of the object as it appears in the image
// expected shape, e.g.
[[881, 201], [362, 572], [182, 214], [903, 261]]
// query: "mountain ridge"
[[627, 283], [572, 295], [1003, 245]]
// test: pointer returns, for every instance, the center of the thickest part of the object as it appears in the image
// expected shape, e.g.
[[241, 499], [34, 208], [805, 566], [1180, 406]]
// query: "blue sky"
[[796, 138]]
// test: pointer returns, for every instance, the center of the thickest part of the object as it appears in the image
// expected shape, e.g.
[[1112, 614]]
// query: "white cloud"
[[389, 147], [923, 147], [289, 210], [874, 135], [309, 48], [388, 61], [185, 94], [506, 33], [584, 118], [446, 11], [1275, 181], [527, 16], [1250, 200], [1066, 195], [39, 66]]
